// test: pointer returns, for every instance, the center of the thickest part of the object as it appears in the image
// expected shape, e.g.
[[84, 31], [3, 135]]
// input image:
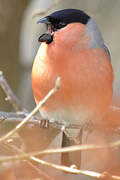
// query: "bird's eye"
[[61, 25], [55, 23]]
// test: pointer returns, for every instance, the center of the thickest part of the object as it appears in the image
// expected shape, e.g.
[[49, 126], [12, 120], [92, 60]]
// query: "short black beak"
[[43, 20]]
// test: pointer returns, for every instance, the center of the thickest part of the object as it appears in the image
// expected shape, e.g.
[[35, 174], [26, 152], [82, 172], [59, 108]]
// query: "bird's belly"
[[68, 116], [86, 83]]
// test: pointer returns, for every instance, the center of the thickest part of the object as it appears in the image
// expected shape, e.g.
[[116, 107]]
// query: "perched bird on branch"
[[73, 49]]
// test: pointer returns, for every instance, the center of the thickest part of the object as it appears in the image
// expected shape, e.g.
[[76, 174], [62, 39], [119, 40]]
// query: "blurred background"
[[19, 39], [19, 35]]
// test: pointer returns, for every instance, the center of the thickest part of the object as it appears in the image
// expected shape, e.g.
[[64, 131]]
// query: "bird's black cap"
[[66, 16]]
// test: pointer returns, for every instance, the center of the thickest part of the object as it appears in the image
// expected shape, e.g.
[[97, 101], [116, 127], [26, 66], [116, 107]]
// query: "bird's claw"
[[44, 123]]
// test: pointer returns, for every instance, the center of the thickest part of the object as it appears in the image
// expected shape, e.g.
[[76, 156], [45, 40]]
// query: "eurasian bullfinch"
[[73, 49]]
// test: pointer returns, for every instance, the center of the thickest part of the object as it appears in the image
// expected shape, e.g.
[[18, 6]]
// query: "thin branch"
[[40, 172], [19, 116], [70, 170], [34, 111], [12, 116], [51, 151], [61, 150], [67, 169], [76, 171], [14, 101]]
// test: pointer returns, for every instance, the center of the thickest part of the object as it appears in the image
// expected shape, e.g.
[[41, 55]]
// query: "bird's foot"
[[44, 123]]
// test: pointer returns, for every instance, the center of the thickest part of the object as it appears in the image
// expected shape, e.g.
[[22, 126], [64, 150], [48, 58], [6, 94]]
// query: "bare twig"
[[76, 171], [62, 168], [68, 169], [34, 111], [61, 150], [41, 13], [19, 116], [14, 101], [73, 170], [12, 116], [40, 172], [51, 151]]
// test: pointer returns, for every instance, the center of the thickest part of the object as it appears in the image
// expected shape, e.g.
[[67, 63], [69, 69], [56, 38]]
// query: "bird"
[[73, 49]]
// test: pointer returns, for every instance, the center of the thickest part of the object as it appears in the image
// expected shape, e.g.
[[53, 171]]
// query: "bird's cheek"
[[64, 36], [82, 43], [73, 36]]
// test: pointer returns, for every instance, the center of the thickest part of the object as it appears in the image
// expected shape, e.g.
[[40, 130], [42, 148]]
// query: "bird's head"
[[59, 20]]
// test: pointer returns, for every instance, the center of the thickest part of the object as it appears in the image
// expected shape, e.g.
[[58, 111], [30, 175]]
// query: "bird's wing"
[[107, 50]]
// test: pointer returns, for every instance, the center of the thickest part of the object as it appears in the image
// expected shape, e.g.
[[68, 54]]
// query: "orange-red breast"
[[73, 49]]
